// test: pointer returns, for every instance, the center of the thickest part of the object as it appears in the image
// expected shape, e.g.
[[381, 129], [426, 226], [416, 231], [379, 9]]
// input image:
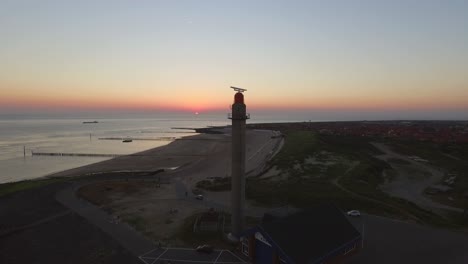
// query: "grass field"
[[189, 238], [452, 158], [219, 184], [10, 188], [316, 166]]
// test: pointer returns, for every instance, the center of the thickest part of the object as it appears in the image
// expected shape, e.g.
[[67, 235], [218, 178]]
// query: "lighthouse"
[[238, 117]]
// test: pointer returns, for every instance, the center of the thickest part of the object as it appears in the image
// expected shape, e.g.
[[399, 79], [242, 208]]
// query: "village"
[[434, 131]]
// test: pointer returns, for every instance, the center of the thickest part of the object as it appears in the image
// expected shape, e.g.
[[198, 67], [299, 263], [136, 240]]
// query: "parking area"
[[189, 255]]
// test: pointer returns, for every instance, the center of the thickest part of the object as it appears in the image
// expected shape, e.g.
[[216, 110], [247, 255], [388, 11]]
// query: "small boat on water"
[[90, 122]]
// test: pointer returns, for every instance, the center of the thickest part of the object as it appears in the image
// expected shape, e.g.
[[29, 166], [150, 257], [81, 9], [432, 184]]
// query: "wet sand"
[[196, 158], [191, 158]]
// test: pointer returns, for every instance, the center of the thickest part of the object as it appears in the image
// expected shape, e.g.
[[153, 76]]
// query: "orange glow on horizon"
[[189, 105], [364, 104]]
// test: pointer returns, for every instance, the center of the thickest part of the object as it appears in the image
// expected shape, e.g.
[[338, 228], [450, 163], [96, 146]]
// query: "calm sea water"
[[72, 136]]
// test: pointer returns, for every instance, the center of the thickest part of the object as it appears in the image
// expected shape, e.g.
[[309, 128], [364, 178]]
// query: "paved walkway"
[[189, 256], [336, 182], [137, 244], [4, 232], [388, 241], [194, 169], [121, 232], [409, 189]]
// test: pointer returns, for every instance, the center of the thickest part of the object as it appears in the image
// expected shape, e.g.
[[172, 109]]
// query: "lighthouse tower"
[[238, 116]]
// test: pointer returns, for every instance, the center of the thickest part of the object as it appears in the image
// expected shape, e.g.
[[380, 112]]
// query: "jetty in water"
[[132, 138], [74, 154]]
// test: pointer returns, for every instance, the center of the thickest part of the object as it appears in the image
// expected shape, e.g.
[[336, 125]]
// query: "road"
[[412, 180], [336, 182], [391, 241], [209, 157], [121, 232]]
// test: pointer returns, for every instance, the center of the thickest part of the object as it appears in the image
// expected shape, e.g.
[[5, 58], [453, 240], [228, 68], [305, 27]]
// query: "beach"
[[91, 143], [179, 166], [191, 158], [140, 200], [185, 161], [19, 138]]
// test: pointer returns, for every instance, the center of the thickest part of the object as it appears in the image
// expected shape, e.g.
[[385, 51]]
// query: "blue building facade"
[[309, 236]]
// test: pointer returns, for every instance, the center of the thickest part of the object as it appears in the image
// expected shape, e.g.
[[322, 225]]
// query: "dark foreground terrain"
[[35, 228], [388, 241], [316, 165]]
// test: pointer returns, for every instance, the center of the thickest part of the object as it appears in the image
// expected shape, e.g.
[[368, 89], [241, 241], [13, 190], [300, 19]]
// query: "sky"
[[369, 58]]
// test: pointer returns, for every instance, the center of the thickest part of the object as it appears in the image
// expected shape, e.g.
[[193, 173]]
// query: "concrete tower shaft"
[[238, 116]]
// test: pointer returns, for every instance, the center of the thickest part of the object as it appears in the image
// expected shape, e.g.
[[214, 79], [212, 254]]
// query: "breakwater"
[[132, 138], [74, 154]]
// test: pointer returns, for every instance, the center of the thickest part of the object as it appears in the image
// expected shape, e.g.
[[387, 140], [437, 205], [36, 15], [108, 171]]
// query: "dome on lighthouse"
[[238, 98]]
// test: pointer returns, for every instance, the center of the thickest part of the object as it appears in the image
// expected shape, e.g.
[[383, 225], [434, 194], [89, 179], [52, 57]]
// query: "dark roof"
[[309, 235], [209, 216]]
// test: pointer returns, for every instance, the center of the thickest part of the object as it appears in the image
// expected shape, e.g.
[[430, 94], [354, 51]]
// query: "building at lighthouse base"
[[317, 235]]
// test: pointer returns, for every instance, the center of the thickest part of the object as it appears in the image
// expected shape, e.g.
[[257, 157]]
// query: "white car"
[[205, 249], [354, 213]]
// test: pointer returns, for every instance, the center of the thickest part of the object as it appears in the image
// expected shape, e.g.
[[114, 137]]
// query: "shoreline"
[[122, 162], [330, 126], [85, 169], [82, 170], [190, 159], [204, 133], [173, 155]]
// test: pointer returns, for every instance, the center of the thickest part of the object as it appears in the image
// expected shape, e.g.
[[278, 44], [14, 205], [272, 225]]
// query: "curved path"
[[336, 182], [412, 190], [209, 157], [8, 231], [121, 232]]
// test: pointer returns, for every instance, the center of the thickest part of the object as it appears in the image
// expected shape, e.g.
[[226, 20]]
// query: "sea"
[[20, 137]]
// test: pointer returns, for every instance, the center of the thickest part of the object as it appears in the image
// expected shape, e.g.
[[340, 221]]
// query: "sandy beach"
[[191, 158], [130, 213], [185, 162]]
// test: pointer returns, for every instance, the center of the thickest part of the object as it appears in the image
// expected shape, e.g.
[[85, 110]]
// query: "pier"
[[115, 155], [184, 128], [74, 154], [131, 138]]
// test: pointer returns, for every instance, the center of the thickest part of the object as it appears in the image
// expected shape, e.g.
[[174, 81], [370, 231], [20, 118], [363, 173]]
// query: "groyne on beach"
[[74, 154]]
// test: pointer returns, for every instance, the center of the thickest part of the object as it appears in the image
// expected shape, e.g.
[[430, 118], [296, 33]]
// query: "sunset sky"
[[375, 56]]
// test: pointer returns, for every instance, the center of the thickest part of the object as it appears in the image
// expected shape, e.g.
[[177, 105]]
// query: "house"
[[317, 235]]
